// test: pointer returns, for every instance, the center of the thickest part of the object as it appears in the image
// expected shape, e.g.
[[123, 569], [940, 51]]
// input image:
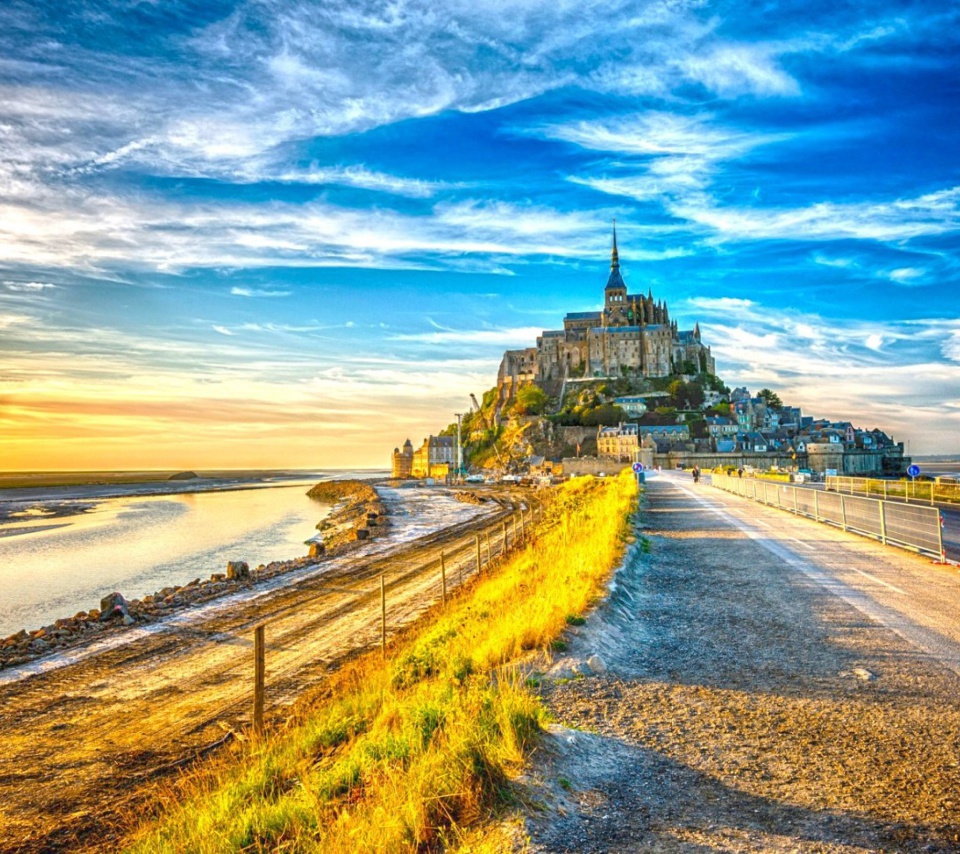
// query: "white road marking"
[[801, 543], [879, 581]]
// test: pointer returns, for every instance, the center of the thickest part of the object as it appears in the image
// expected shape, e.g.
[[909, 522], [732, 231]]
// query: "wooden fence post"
[[443, 579], [486, 537], [259, 663], [383, 616], [478, 554], [503, 549]]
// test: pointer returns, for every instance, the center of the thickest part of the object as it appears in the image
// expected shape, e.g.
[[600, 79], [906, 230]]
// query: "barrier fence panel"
[[804, 501], [914, 526], [908, 525], [863, 516], [943, 491]]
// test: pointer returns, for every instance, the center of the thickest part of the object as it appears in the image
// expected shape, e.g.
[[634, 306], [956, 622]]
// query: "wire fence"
[[908, 491], [457, 562], [909, 526]]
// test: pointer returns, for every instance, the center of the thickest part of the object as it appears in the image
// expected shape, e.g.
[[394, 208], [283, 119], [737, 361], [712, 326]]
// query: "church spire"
[[614, 255]]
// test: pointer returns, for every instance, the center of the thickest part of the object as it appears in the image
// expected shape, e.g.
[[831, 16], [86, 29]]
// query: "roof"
[[665, 428], [582, 315]]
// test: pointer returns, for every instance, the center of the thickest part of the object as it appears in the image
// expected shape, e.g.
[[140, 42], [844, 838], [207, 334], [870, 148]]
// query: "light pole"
[[459, 449]]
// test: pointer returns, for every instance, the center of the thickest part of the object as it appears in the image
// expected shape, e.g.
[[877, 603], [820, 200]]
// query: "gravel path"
[[745, 705]]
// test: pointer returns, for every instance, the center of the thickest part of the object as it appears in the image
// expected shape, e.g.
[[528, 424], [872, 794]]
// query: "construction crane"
[[476, 406]]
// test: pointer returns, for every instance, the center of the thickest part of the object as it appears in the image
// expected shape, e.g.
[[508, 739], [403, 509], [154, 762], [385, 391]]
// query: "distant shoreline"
[[44, 479]]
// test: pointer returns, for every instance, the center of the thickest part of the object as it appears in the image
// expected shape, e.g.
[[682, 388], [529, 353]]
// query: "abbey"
[[632, 336]]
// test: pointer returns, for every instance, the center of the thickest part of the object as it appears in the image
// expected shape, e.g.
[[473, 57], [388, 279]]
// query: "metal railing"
[[908, 526], [919, 491]]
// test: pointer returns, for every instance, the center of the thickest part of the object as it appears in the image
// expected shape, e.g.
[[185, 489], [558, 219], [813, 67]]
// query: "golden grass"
[[414, 752]]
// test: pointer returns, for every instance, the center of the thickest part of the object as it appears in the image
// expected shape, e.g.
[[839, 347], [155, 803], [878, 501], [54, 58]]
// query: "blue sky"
[[293, 234]]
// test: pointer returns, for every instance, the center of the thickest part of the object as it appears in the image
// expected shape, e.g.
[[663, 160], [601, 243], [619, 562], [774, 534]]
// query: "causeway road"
[[771, 684]]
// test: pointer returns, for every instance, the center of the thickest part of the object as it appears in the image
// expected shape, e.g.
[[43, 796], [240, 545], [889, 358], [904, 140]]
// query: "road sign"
[[638, 467], [913, 471]]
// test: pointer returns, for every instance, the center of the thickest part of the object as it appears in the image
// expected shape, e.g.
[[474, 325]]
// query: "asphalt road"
[[908, 593]]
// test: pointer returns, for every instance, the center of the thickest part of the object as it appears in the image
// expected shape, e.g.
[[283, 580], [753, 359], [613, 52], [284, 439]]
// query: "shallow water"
[[52, 566]]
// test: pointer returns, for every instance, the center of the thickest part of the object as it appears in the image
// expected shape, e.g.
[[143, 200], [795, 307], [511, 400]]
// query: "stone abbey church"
[[632, 336]]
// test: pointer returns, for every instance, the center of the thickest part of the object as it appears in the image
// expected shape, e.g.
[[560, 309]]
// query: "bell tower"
[[615, 293]]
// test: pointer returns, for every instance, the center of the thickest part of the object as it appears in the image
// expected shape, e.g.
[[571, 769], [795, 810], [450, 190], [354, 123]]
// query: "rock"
[[217, 576], [93, 614], [238, 569], [362, 533], [128, 620], [597, 664], [582, 668], [317, 549], [113, 605], [184, 475]]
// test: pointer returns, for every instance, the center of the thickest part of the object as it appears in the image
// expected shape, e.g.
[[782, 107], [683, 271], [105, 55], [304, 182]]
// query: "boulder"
[[362, 533], [597, 664], [317, 549], [112, 606], [238, 569]]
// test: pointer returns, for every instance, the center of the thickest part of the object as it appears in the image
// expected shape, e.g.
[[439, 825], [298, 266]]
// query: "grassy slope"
[[409, 752]]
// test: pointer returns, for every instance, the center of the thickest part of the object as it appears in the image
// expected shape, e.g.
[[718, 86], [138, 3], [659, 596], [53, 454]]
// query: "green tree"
[[771, 399], [531, 400], [606, 415]]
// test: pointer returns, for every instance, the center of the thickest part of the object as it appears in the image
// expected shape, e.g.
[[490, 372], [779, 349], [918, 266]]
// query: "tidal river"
[[63, 550]]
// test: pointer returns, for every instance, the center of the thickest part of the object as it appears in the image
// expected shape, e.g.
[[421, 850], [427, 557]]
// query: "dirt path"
[[766, 689], [77, 742]]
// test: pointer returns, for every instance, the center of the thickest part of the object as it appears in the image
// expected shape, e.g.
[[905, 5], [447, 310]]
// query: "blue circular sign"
[[913, 471], [638, 467]]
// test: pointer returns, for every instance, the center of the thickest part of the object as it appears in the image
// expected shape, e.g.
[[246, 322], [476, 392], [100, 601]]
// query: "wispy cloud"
[[258, 292], [360, 176], [934, 213], [521, 336]]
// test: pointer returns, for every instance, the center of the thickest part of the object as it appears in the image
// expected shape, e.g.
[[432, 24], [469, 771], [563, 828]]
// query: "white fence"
[[920, 491], [909, 526]]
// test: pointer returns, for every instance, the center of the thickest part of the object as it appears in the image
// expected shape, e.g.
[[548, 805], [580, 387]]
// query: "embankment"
[[410, 751]]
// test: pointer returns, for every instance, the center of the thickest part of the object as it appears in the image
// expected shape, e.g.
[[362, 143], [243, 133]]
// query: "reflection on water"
[[54, 567]]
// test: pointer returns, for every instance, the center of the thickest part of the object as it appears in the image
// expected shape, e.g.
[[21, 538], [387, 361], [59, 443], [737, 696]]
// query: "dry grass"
[[414, 752]]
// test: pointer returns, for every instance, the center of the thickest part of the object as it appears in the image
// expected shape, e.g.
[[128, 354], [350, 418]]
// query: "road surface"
[[771, 684]]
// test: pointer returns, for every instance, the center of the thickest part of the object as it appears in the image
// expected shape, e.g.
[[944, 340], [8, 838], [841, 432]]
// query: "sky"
[[287, 234]]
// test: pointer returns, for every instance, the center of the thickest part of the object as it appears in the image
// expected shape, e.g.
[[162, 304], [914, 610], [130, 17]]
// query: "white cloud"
[[522, 336], [901, 219], [905, 274], [258, 292], [360, 176], [739, 69], [28, 287], [223, 330]]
